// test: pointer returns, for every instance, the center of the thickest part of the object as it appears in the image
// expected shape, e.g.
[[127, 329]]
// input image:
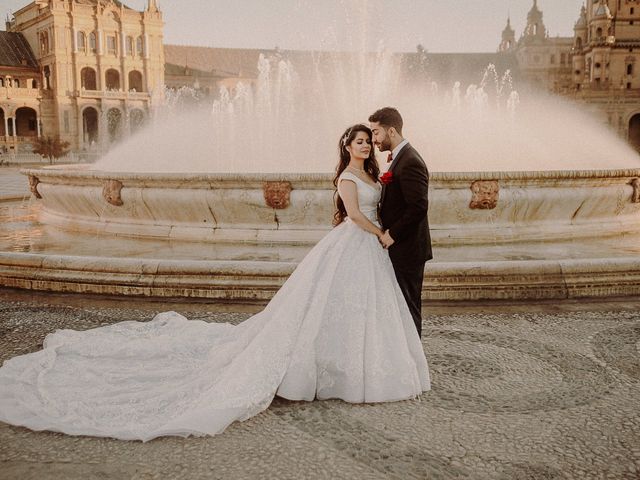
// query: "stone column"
[[38, 124], [15, 129], [80, 126], [103, 128], [6, 126], [99, 49]]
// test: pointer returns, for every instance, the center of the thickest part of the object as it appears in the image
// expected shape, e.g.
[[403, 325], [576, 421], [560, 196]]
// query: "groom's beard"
[[384, 146]]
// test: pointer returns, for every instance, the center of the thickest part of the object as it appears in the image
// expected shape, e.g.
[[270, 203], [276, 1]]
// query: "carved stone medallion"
[[277, 194], [485, 194], [111, 192], [33, 186]]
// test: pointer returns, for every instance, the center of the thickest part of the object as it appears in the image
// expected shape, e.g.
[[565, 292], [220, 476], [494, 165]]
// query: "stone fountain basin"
[[465, 208], [498, 236]]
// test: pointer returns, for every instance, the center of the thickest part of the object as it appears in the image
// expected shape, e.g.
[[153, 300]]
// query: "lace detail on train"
[[338, 328]]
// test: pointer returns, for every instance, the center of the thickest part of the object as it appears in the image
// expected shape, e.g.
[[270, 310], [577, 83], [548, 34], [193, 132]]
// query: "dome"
[[582, 20]]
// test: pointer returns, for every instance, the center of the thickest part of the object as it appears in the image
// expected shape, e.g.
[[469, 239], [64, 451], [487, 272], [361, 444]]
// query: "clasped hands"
[[385, 239]]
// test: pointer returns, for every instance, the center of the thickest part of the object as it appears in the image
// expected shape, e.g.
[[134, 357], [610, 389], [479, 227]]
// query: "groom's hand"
[[386, 239]]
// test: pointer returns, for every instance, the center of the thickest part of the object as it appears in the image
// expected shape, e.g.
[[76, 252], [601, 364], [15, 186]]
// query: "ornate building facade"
[[91, 71], [596, 67], [86, 70]]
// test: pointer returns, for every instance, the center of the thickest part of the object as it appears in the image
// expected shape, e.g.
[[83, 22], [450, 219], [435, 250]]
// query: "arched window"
[[139, 47], [1, 82], [26, 122], [82, 41], [112, 79], [114, 124], [599, 32], [112, 44], [135, 81], [136, 120], [92, 41], [634, 131], [47, 77], [90, 126], [17, 83], [34, 84], [88, 78], [630, 69], [44, 42], [130, 46]]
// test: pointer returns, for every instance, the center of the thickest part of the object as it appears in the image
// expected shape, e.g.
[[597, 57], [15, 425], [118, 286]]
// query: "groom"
[[403, 208]]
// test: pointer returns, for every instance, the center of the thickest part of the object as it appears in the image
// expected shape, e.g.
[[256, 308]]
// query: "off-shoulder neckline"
[[374, 186]]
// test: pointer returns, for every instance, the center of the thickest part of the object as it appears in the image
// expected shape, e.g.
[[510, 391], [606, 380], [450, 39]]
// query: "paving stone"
[[519, 393]]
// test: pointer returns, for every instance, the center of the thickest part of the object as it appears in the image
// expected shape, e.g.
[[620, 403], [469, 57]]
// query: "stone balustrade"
[[112, 94], [14, 93]]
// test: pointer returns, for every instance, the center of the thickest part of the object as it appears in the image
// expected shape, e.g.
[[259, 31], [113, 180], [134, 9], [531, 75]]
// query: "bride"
[[338, 328]]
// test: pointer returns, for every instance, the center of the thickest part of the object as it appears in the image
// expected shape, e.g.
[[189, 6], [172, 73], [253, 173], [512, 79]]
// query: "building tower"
[[535, 29], [508, 38]]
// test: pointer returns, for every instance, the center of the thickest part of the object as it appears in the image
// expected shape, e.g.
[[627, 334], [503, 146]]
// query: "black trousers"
[[410, 280]]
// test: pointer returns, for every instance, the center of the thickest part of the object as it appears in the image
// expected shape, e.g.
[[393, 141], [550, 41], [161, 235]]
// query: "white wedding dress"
[[338, 328]]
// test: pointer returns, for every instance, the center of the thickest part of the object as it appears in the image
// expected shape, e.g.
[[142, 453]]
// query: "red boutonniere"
[[386, 178]]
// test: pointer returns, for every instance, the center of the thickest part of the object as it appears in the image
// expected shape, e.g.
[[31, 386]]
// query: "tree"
[[51, 148]]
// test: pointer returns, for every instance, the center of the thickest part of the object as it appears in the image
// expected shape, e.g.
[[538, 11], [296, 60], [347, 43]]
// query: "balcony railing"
[[603, 40], [29, 157], [117, 94], [10, 139], [13, 92]]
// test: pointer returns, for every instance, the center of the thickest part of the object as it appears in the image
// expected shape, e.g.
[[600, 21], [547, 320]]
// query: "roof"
[[239, 62], [15, 51], [446, 68]]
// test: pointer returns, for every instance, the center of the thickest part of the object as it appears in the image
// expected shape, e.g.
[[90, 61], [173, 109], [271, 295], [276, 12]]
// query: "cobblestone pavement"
[[527, 392], [13, 185]]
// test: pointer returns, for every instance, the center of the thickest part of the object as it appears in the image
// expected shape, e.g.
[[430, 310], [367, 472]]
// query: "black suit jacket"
[[403, 209]]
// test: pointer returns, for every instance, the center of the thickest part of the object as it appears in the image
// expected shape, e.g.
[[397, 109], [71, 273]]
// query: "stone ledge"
[[255, 281]]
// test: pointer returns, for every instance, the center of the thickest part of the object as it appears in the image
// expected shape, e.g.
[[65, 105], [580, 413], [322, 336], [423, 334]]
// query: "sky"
[[399, 25]]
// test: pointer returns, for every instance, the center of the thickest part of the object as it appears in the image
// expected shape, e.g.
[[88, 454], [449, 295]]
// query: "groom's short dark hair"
[[388, 117]]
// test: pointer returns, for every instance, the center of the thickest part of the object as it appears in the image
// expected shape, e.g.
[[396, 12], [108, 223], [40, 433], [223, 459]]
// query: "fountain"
[[529, 199]]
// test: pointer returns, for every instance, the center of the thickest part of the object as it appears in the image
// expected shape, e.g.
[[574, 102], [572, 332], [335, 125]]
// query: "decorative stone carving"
[[277, 194], [485, 194], [111, 192], [635, 197], [33, 186]]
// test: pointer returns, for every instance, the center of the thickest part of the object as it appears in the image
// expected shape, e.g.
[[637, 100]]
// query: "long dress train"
[[338, 328]]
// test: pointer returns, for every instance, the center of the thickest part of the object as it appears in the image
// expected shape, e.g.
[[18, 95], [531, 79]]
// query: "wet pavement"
[[520, 391], [13, 185]]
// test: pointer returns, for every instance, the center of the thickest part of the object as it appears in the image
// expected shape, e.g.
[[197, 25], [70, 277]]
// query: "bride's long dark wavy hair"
[[370, 166]]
